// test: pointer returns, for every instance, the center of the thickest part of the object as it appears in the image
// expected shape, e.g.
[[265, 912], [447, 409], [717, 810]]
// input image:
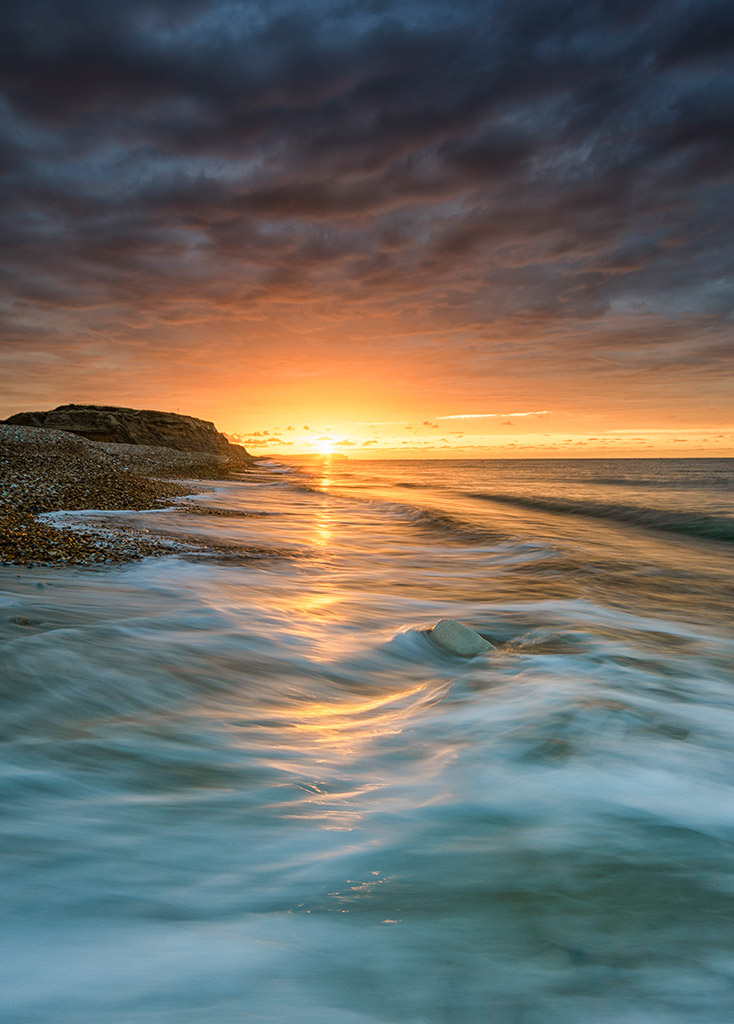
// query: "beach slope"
[[45, 470]]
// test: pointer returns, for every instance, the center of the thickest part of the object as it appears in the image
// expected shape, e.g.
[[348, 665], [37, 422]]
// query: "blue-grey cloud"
[[464, 165]]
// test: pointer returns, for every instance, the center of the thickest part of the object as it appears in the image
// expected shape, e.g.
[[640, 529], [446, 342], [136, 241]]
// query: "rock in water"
[[456, 638]]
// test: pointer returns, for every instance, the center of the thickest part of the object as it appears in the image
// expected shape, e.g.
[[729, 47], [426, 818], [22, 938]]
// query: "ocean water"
[[250, 788]]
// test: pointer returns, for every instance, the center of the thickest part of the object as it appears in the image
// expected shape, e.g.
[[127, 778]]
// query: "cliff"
[[134, 426]]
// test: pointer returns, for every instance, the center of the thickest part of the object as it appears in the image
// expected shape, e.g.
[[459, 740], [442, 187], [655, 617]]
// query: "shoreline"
[[51, 471]]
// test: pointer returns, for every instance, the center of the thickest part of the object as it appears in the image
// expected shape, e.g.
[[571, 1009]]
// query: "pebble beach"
[[44, 471]]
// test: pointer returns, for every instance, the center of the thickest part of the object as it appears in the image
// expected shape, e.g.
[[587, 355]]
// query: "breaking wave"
[[708, 527]]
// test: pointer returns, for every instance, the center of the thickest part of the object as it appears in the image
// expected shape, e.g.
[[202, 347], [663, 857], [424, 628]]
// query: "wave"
[[275, 467], [443, 523], [692, 524], [448, 525], [711, 480]]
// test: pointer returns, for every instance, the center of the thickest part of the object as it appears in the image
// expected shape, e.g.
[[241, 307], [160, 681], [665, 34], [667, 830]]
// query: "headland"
[[95, 462]]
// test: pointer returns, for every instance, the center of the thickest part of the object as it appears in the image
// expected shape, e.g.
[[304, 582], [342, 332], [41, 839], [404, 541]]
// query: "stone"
[[456, 638]]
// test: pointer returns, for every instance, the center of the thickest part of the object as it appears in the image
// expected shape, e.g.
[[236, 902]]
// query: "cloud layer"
[[510, 186]]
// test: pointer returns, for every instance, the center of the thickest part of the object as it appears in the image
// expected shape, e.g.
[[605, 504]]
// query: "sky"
[[413, 228]]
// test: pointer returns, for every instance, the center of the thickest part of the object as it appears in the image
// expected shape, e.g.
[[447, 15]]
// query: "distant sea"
[[250, 788]]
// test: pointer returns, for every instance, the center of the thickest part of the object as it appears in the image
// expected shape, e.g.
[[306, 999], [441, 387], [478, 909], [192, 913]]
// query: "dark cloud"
[[701, 34], [168, 163]]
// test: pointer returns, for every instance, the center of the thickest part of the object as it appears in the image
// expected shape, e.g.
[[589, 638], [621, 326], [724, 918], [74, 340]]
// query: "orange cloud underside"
[[379, 383]]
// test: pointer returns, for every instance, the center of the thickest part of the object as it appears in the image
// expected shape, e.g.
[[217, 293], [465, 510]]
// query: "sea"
[[247, 787]]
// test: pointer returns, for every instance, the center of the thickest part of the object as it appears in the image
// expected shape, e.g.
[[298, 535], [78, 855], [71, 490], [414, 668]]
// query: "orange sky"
[[369, 219], [429, 394]]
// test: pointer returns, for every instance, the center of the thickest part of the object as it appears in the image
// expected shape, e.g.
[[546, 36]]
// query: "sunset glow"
[[411, 441], [407, 228], [324, 446]]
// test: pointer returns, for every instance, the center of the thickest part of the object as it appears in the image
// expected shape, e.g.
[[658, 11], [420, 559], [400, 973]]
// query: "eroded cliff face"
[[133, 426]]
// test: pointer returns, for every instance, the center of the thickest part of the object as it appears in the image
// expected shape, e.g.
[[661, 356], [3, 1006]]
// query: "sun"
[[325, 446]]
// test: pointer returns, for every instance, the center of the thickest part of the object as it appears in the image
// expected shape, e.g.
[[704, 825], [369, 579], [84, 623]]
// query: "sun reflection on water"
[[324, 517], [340, 732], [335, 717], [326, 476]]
